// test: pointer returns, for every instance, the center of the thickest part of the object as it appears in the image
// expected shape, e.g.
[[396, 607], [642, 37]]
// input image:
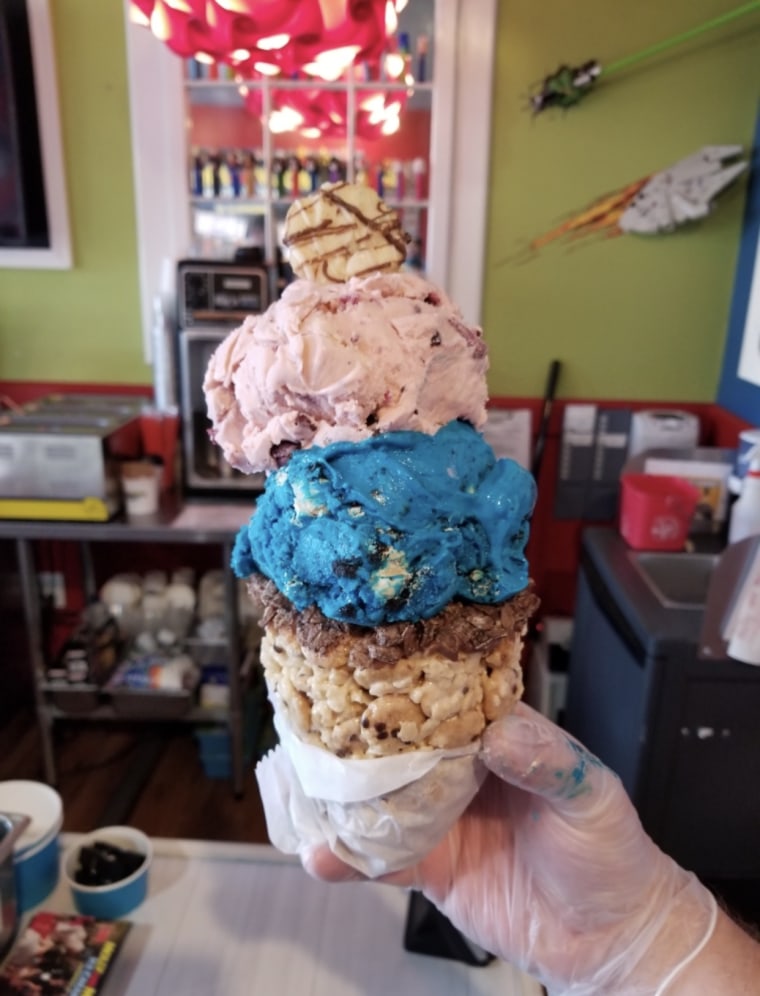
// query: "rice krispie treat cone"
[[365, 693], [407, 703]]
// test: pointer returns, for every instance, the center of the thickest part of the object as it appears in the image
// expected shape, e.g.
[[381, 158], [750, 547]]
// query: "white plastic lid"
[[40, 803]]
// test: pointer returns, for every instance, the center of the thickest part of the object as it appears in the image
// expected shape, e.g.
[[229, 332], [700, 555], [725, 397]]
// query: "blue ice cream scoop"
[[392, 527]]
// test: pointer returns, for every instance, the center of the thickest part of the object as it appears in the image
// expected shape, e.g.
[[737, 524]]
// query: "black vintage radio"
[[213, 297]]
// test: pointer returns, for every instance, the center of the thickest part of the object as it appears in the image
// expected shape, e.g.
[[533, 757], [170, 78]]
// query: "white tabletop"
[[244, 920]]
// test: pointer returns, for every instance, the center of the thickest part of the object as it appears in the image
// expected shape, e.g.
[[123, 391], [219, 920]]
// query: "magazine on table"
[[62, 953]]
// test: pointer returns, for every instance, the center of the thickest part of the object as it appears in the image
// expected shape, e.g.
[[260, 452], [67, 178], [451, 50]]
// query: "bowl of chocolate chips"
[[107, 871]]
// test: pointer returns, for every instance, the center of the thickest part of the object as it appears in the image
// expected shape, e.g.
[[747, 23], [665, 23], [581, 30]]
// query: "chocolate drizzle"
[[351, 235], [387, 225]]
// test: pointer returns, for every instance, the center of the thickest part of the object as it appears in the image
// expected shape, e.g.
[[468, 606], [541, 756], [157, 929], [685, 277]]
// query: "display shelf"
[[156, 711], [72, 699], [115, 530], [230, 87], [150, 703], [255, 145], [186, 524], [258, 205]]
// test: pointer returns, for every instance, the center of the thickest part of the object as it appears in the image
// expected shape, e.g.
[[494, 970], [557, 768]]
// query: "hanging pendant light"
[[322, 113], [318, 37]]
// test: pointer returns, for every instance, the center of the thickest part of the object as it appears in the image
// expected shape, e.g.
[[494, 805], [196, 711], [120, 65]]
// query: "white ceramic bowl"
[[115, 900]]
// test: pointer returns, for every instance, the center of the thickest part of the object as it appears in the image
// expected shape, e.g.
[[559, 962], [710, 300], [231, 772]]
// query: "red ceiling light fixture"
[[321, 38], [323, 113], [292, 39]]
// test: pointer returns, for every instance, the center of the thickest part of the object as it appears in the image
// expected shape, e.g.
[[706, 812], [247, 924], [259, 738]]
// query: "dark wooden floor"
[[146, 775]]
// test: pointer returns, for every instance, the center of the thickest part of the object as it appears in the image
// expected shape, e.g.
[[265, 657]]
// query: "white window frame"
[[465, 33], [58, 255]]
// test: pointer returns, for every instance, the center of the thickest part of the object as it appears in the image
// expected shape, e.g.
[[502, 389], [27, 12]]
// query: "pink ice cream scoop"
[[343, 361]]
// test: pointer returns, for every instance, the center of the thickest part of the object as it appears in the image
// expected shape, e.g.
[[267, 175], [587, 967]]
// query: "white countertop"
[[244, 920]]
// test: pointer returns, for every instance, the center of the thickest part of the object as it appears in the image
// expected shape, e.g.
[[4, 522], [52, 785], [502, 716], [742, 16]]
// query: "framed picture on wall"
[[34, 228]]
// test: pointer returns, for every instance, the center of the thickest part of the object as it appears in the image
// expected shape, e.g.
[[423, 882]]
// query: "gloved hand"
[[551, 870]]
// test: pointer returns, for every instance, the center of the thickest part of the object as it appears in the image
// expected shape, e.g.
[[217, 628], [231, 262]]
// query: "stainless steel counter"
[[176, 522]]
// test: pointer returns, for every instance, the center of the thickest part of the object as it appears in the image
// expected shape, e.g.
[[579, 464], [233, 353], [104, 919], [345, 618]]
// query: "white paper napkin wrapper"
[[376, 814]]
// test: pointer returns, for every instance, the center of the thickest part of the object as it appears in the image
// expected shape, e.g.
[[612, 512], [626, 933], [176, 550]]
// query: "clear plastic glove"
[[551, 870]]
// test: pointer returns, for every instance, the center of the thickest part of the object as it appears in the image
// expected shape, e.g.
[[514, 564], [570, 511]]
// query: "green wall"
[[83, 324], [630, 317]]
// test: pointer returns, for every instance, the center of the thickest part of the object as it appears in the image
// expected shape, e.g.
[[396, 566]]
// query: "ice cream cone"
[[387, 550]]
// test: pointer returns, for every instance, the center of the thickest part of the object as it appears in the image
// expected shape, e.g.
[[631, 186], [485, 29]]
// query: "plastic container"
[[36, 851], [747, 445], [656, 511], [215, 743], [745, 515], [109, 902], [150, 703]]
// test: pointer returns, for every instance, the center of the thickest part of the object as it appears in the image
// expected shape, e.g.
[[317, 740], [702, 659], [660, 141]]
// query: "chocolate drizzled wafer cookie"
[[343, 230]]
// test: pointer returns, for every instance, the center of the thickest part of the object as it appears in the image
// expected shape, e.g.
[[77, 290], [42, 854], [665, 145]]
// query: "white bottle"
[[745, 515]]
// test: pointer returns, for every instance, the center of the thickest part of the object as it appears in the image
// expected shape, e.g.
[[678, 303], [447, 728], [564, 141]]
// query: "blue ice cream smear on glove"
[[393, 527]]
